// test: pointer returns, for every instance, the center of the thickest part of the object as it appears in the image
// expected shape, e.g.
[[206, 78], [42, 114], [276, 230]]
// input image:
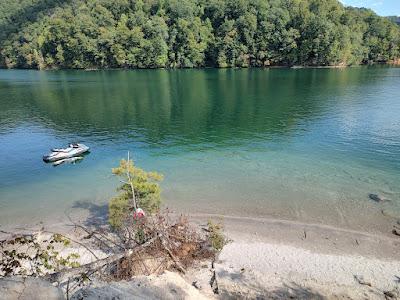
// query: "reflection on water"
[[303, 144], [169, 106]]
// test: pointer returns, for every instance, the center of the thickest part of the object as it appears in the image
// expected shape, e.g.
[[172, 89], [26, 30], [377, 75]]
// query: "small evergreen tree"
[[138, 189]]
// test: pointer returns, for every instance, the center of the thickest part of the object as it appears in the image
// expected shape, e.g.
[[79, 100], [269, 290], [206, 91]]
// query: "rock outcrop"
[[28, 289], [166, 286]]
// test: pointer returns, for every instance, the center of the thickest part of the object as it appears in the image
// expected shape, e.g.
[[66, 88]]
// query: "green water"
[[306, 145]]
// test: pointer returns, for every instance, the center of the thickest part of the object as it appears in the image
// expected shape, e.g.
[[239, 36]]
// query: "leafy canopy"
[[146, 191], [83, 34]]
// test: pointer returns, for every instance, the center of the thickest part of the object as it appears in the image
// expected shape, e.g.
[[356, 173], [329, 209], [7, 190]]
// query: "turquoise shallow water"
[[306, 144]]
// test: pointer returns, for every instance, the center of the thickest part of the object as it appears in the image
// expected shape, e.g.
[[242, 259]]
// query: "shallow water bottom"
[[279, 184]]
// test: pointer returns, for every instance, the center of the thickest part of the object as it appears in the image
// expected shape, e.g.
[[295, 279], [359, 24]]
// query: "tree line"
[[84, 34]]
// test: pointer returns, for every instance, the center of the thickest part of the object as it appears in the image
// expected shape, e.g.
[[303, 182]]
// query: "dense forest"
[[45, 34]]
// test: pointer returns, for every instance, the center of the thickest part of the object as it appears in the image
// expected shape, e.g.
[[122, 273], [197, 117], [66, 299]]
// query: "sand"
[[262, 269], [281, 259], [167, 286]]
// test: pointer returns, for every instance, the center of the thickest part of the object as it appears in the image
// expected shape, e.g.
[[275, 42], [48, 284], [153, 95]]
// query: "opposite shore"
[[394, 63]]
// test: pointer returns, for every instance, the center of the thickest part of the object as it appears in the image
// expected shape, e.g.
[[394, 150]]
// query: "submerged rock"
[[377, 198], [396, 230]]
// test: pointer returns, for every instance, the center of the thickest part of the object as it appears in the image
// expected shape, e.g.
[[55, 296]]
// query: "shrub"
[[215, 235]]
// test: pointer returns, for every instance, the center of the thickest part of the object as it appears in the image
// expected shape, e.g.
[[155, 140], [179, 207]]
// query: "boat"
[[73, 150]]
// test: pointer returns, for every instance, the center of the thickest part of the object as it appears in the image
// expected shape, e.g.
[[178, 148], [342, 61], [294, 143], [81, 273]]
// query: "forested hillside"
[[191, 33]]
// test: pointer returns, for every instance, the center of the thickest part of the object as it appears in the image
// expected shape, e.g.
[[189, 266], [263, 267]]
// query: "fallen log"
[[67, 274]]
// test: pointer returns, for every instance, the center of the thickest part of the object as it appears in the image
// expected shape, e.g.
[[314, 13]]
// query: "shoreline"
[[281, 259], [317, 237], [395, 63]]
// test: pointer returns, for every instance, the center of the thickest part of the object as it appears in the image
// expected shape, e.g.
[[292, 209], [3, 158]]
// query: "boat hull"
[[55, 156]]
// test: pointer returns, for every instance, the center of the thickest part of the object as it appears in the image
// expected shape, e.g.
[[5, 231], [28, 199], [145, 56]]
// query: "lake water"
[[300, 144]]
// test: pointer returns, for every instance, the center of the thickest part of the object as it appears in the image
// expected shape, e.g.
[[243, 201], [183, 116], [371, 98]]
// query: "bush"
[[35, 254], [215, 235]]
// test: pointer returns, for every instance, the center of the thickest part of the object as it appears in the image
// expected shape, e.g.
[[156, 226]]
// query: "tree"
[[138, 189], [83, 34]]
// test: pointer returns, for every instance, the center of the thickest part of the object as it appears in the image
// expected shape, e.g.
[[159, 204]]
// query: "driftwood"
[[361, 280], [103, 239], [67, 274], [98, 236]]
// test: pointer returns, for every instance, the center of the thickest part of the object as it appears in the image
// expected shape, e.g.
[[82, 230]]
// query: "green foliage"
[[84, 34], [216, 236], [29, 255], [146, 187]]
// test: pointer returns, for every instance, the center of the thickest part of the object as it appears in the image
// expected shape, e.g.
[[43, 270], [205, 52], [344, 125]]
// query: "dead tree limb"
[[94, 233], [67, 274], [173, 257], [76, 272], [131, 184]]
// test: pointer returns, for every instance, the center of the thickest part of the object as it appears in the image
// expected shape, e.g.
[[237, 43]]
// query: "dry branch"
[[175, 260], [128, 174], [67, 274]]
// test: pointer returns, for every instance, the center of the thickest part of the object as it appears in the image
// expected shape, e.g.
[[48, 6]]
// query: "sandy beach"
[[282, 259], [279, 259]]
